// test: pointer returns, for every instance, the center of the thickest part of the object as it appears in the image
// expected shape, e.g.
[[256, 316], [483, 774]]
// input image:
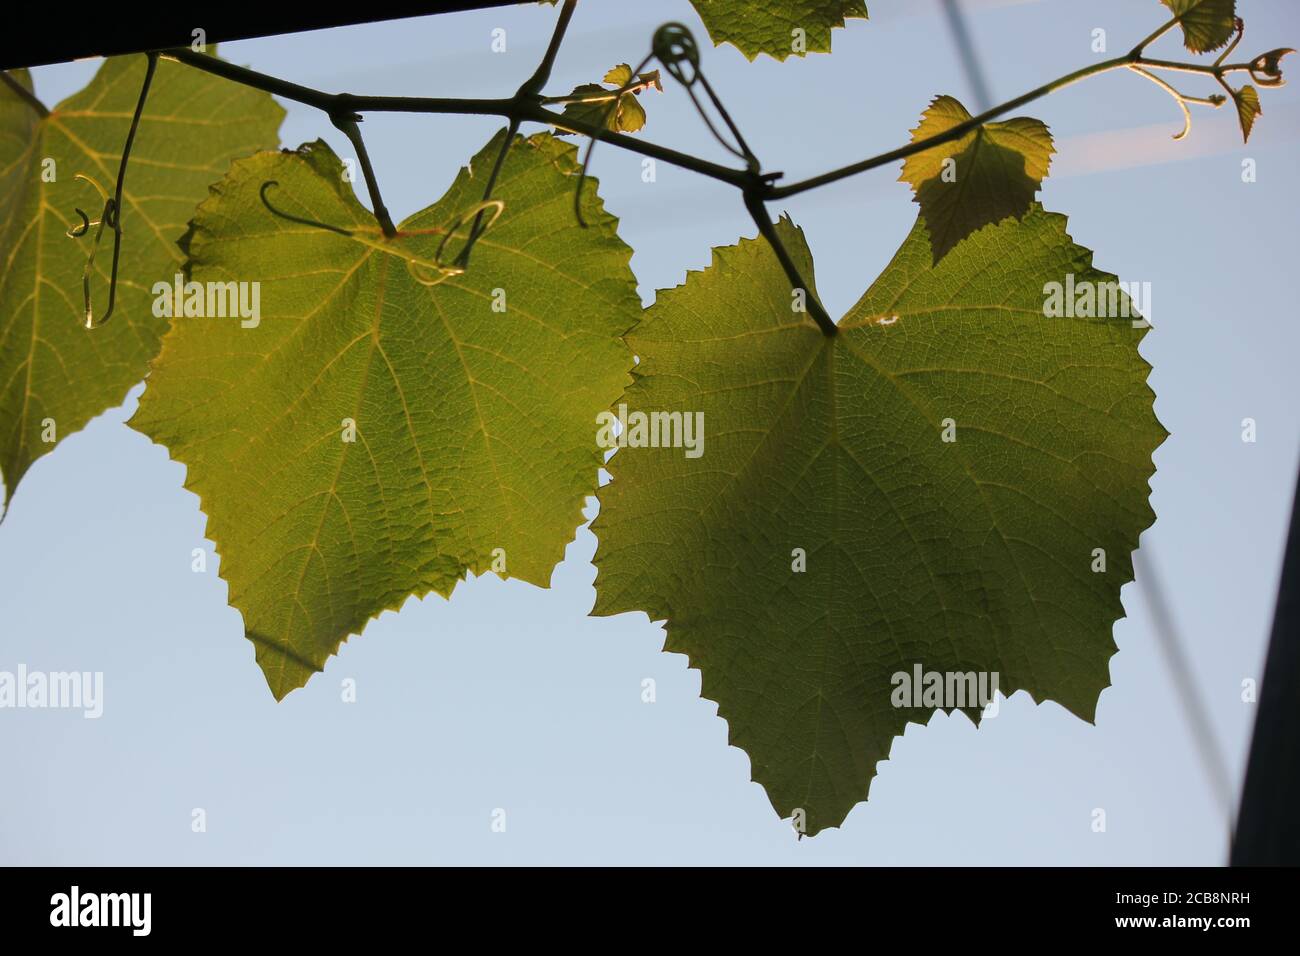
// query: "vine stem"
[[757, 210], [1155, 35], [603, 97], [347, 124], [533, 85], [1129, 62], [529, 105], [113, 208], [531, 88], [531, 108], [948, 135], [526, 109]]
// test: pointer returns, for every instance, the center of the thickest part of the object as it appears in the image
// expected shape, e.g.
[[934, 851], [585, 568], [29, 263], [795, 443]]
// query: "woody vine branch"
[[674, 47]]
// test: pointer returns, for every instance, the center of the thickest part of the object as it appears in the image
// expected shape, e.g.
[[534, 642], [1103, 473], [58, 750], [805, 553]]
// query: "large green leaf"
[[473, 428], [1206, 24], [768, 26], [984, 176], [971, 555], [53, 371]]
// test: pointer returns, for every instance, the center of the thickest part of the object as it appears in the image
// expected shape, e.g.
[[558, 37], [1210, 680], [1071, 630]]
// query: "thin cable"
[[966, 50], [1148, 579], [1194, 708]]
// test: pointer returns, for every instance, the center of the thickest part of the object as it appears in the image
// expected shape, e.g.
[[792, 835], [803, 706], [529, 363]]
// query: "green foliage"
[[51, 369], [954, 480], [472, 397], [1247, 103], [965, 555], [607, 108], [986, 175], [1206, 24], [767, 26]]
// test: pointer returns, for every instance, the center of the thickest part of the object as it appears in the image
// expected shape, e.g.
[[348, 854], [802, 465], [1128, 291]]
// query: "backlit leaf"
[[778, 28], [975, 555], [986, 175], [1206, 24], [373, 436], [56, 375]]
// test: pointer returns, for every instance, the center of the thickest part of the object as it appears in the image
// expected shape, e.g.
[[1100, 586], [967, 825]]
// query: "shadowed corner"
[[291, 670]]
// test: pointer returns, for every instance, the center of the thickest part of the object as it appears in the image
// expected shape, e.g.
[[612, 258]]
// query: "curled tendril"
[[608, 112], [496, 205], [427, 275], [107, 218], [111, 216], [76, 232], [674, 45], [292, 218], [430, 274], [1178, 98]]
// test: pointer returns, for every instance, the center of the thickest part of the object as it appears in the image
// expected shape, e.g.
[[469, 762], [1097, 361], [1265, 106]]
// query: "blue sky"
[[509, 696]]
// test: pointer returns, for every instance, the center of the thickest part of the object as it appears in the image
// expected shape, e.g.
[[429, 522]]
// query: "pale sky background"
[[509, 695]]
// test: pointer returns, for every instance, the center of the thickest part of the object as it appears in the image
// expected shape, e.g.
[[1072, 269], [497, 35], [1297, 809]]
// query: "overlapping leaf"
[[963, 556], [55, 375], [473, 428], [769, 26], [986, 175], [1206, 24]]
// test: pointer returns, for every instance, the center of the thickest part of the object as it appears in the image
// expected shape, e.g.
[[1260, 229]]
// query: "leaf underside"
[[623, 114], [989, 174], [965, 556], [474, 429], [1206, 24], [1246, 100], [53, 369], [767, 26]]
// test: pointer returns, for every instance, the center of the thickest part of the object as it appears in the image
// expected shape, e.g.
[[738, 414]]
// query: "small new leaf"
[[616, 109], [1247, 100], [382, 427], [943, 469], [779, 29], [1206, 24], [986, 175]]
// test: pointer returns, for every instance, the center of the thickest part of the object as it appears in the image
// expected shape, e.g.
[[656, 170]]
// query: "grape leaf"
[[54, 373], [1207, 24], [627, 115], [767, 26], [971, 555], [1248, 107], [473, 436], [992, 172]]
